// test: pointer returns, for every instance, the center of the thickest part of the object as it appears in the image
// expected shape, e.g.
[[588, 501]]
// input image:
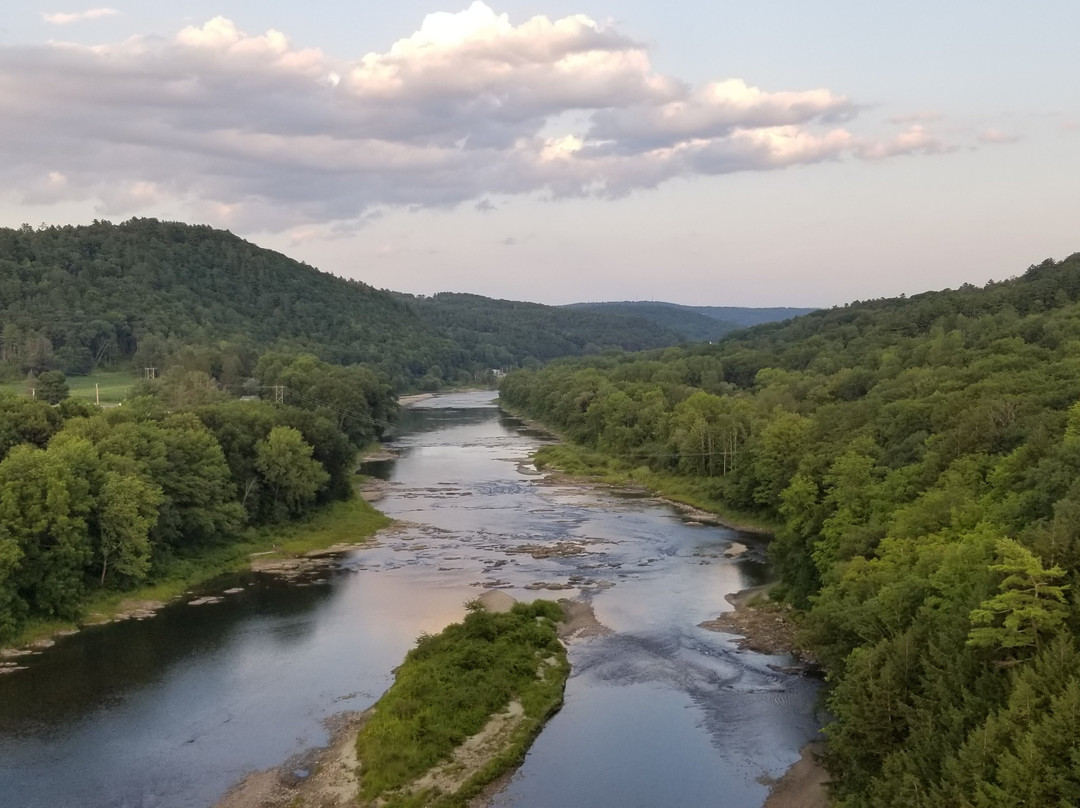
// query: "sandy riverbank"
[[332, 783], [408, 401], [804, 785]]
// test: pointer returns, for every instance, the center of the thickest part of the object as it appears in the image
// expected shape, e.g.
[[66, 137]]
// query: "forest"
[[146, 293], [920, 459], [106, 499]]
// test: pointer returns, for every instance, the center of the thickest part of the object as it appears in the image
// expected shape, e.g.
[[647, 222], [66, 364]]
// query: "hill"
[[695, 323], [920, 458], [140, 292], [504, 333]]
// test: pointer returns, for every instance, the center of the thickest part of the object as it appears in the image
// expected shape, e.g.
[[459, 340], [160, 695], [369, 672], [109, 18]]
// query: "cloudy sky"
[[779, 152]]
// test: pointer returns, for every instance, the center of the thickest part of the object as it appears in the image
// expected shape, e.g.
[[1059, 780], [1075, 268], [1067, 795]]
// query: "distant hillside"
[[695, 323], [73, 298], [503, 333]]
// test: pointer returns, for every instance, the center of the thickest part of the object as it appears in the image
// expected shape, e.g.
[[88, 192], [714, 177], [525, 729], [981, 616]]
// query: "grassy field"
[[113, 386]]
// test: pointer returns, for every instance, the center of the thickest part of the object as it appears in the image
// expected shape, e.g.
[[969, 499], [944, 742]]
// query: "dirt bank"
[[408, 401], [694, 514], [331, 784], [804, 784], [763, 625]]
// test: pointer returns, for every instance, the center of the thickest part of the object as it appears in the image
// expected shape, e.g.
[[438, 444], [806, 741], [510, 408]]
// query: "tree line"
[[93, 499], [921, 457]]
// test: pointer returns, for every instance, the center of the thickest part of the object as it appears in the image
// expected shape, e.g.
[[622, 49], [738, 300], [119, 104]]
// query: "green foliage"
[[922, 455], [51, 387], [93, 499], [451, 684], [285, 462], [695, 323], [25, 420], [1029, 607], [127, 510], [510, 333]]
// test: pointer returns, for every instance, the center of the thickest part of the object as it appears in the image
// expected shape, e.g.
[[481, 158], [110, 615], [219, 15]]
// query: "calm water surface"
[[170, 712]]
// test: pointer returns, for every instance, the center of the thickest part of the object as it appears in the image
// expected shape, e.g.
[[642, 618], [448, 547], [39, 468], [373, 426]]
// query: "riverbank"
[[573, 463], [767, 627], [464, 771], [282, 549], [688, 494], [764, 626], [804, 785]]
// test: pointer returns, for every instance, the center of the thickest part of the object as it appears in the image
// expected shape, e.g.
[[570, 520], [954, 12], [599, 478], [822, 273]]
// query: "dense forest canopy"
[[922, 458], [143, 292]]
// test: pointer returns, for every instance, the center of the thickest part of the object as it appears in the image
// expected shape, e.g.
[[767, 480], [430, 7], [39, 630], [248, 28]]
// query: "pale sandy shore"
[[803, 785], [408, 401]]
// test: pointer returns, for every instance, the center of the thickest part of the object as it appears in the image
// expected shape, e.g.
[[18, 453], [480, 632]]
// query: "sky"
[[773, 153]]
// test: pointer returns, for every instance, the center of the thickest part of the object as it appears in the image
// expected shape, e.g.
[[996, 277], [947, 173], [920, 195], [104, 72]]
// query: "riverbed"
[[172, 710]]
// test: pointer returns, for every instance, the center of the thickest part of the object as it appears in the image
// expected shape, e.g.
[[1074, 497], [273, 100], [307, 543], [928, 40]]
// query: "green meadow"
[[112, 386]]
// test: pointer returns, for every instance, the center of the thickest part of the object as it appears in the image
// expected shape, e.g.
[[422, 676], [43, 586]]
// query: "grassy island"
[[465, 706]]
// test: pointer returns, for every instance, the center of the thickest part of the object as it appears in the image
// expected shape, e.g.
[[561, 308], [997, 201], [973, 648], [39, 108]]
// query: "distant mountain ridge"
[[695, 323]]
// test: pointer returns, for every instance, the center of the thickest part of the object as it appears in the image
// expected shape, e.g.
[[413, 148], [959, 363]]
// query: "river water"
[[169, 712]]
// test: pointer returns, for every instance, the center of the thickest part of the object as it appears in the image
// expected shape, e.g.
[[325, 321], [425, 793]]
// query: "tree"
[[284, 460], [1029, 607], [44, 506], [52, 387], [127, 508]]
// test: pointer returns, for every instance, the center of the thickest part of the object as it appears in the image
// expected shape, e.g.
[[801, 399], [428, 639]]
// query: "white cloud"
[[993, 135], [249, 131], [916, 140], [62, 18]]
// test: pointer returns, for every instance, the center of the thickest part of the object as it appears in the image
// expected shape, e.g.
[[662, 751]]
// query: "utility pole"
[[149, 373], [97, 394], [279, 393]]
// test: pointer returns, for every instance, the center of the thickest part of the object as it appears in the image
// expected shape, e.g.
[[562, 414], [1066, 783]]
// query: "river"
[[169, 712]]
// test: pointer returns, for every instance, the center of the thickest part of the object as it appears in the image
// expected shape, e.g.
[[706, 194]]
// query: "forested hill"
[[72, 298], [502, 332], [106, 291], [694, 323], [922, 459]]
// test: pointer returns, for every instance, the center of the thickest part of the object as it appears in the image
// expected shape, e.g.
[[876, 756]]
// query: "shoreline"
[[268, 552], [765, 627], [805, 784]]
